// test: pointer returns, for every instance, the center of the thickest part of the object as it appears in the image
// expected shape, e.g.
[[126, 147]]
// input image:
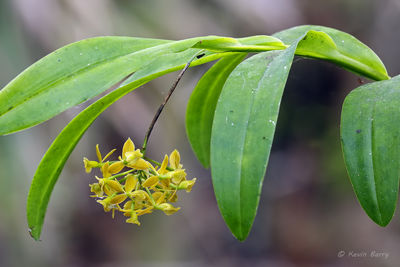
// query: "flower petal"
[[164, 164], [116, 167], [151, 181], [114, 185], [130, 183], [174, 159], [104, 170], [139, 164], [98, 153], [118, 199], [129, 146], [109, 154]]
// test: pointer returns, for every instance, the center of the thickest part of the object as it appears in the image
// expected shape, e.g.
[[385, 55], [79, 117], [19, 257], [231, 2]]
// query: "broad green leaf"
[[242, 134], [82, 70], [53, 161], [66, 77], [338, 47], [371, 146], [201, 106]]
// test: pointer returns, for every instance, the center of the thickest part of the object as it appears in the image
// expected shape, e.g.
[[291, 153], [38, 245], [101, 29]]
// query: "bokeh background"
[[308, 212]]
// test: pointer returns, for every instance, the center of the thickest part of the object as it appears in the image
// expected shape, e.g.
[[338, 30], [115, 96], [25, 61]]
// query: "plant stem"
[[171, 90]]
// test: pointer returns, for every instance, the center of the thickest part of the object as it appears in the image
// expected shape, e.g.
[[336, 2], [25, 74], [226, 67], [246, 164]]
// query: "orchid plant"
[[230, 119]]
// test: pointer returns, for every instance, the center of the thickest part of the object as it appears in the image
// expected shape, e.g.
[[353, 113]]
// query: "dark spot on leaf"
[[358, 131], [59, 60], [30, 232], [231, 111], [10, 108], [200, 56], [264, 138], [305, 38]]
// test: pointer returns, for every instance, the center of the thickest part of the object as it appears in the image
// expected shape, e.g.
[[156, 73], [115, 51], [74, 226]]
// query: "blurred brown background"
[[308, 212]]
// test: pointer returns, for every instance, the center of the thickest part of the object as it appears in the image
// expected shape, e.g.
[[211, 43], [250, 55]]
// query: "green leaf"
[[242, 134], [338, 47], [201, 106], [82, 70], [53, 161], [371, 146], [66, 77]]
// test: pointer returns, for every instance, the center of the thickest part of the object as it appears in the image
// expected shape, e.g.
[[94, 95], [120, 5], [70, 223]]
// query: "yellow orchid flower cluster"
[[142, 186]]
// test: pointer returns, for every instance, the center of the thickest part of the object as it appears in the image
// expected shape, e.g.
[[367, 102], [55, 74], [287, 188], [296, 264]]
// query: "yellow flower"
[[133, 158], [99, 154], [187, 185], [89, 164], [177, 176], [133, 218], [167, 208], [109, 186], [106, 204], [96, 189]]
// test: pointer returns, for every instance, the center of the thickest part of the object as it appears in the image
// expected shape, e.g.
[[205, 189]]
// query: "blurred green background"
[[308, 212]]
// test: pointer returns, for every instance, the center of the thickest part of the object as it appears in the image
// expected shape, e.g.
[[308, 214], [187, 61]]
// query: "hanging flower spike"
[[142, 188]]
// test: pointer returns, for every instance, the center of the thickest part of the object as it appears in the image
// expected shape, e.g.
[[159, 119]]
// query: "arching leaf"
[[338, 47], [84, 69]]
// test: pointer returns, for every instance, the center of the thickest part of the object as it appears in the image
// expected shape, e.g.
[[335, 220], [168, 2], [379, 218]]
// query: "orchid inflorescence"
[[142, 187]]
